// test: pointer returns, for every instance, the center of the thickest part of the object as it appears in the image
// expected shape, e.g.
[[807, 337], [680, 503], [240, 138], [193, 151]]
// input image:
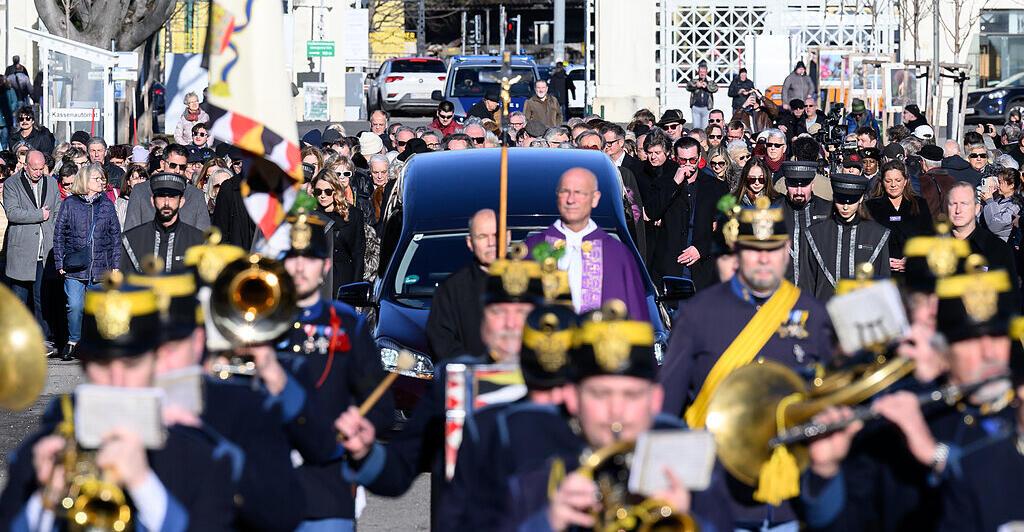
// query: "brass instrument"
[[253, 301], [623, 511], [92, 502], [757, 405], [23, 356]]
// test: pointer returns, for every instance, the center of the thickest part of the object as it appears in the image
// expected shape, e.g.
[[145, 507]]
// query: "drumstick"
[[405, 361]]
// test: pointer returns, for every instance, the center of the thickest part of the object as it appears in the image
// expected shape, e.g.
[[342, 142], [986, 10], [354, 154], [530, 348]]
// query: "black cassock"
[[798, 223], [453, 326], [835, 248]]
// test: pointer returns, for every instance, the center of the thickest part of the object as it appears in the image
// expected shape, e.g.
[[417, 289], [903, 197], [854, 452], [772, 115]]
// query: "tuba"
[[621, 510], [253, 301], [23, 356], [91, 502]]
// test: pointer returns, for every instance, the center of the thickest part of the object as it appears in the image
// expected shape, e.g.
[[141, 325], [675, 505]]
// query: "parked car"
[[436, 207], [995, 103], [471, 76], [405, 83]]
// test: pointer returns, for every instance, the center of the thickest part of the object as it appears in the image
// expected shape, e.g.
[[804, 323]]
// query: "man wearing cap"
[[613, 396], [701, 88], [487, 107], [836, 246], [248, 423], [797, 85], [600, 267], [672, 122], [935, 180], [542, 106], [370, 145], [870, 159], [332, 341], [453, 326], [801, 210], [859, 117], [166, 236], [183, 485], [194, 211], [513, 286], [892, 476]]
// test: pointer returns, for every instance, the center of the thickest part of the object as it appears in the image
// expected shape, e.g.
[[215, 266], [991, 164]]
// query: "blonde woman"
[[344, 228]]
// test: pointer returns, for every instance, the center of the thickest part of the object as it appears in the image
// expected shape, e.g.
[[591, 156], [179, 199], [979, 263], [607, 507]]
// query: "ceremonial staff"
[[506, 83]]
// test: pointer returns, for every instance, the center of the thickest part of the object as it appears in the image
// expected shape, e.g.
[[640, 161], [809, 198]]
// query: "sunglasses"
[[323, 192], [673, 126], [714, 136], [346, 173], [25, 119], [329, 145], [478, 140], [757, 180], [774, 145], [978, 156], [201, 134], [176, 166], [445, 117], [688, 160], [718, 163]]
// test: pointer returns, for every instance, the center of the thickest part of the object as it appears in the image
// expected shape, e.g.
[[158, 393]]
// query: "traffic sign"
[[319, 48]]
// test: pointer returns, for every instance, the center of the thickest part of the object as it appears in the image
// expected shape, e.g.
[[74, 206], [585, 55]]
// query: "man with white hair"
[[476, 133], [382, 187], [961, 169]]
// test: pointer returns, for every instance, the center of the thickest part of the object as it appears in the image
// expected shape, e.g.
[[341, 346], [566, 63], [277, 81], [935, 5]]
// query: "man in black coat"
[[25, 129], [166, 236], [560, 85], [453, 326], [958, 167], [486, 107], [962, 208], [668, 208]]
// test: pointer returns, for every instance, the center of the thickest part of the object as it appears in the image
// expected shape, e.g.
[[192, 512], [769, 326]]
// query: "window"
[[417, 66], [1001, 46], [475, 81], [428, 261]]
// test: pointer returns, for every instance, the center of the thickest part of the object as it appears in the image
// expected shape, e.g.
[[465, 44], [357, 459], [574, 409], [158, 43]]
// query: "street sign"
[[68, 114], [316, 104], [125, 74], [319, 48]]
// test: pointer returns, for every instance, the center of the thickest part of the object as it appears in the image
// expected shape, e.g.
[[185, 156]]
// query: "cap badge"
[[551, 347]]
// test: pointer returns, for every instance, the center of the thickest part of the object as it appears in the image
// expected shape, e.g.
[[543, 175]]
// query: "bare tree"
[[128, 23], [912, 13], [959, 21]]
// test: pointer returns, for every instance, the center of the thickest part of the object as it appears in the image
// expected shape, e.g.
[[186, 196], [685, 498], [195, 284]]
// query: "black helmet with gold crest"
[[210, 258], [118, 321], [175, 296], [759, 227], [548, 339], [515, 279], [976, 303], [609, 343], [308, 236], [929, 258]]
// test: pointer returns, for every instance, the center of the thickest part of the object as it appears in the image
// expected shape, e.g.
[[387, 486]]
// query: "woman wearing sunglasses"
[[755, 182], [344, 229]]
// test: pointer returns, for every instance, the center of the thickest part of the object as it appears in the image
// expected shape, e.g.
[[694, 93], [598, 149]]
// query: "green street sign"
[[319, 48]]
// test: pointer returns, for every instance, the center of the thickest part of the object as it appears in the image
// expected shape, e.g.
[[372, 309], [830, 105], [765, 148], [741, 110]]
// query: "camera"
[[832, 135]]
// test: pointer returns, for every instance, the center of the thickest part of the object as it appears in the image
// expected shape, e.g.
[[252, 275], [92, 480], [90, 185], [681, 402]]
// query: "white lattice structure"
[[716, 31]]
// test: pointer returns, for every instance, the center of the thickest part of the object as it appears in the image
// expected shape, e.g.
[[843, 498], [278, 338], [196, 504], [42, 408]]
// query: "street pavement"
[[411, 512]]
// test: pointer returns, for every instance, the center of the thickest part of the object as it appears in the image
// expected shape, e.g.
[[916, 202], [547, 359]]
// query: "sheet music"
[[98, 409]]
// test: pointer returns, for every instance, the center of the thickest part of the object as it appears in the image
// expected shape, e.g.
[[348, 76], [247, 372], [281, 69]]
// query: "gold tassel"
[[779, 479]]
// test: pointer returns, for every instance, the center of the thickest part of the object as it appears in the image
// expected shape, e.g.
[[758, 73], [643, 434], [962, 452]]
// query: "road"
[[411, 512]]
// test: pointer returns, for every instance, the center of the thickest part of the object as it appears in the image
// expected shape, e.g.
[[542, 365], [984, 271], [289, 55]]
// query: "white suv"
[[406, 83]]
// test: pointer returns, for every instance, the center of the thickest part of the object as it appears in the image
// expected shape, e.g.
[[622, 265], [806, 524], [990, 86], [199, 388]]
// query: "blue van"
[[471, 76]]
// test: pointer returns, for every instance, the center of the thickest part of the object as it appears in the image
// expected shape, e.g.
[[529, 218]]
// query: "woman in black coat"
[[894, 205], [345, 231]]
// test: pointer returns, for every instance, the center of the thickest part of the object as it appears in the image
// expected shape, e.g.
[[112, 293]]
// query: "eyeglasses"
[[978, 156], [176, 166], [99, 178], [25, 119], [478, 140], [673, 126], [201, 134], [774, 145], [718, 163], [323, 192], [688, 160], [517, 124], [445, 117]]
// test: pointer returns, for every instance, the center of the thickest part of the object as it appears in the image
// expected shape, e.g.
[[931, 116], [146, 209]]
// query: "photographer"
[[860, 117], [740, 89]]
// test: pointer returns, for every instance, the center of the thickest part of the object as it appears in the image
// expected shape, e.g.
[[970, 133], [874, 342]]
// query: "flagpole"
[[503, 180]]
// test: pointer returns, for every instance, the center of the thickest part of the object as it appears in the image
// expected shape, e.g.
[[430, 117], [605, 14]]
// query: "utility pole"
[[935, 69], [559, 30], [487, 29], [503, 24], [519, 29], [421, 28]]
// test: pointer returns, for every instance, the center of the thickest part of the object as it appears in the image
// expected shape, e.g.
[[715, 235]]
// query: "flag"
[[250, 102]]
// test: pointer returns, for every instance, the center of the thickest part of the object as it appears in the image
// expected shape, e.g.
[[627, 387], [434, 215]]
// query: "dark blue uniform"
[[704, 328], [335, 380], [886, 488], [198, 483], [987, 493]]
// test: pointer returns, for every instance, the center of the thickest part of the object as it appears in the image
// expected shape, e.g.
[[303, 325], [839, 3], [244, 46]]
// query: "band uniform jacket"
[[986, 495], [453, 325], [836, 248], [167, 243], [798, 223]]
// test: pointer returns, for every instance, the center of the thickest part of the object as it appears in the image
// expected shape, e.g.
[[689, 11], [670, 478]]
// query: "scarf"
[[774, 166], [192, 117], [378, 198]]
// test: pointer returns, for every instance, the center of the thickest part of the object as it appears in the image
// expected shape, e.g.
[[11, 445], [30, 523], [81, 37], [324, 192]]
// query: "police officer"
[[166, 236], [614, 397], [247, 423], [801, 210], [333, 341], [182, 486], [513, 285], [475, 497], [892, 476]]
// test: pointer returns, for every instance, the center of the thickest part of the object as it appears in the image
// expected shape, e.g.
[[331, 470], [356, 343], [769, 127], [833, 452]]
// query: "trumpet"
[[91, 501], [253, 301]]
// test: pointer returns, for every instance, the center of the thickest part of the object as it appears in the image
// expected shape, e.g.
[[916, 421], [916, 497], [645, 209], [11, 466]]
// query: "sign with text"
[[68, 114], [319, 48]]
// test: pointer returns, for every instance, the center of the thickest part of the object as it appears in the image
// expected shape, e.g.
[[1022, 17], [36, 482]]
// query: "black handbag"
[[80, 259]]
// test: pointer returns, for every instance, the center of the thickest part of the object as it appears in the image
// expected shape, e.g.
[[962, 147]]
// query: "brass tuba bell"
[[253, 301], [621, 510], [23, 355]]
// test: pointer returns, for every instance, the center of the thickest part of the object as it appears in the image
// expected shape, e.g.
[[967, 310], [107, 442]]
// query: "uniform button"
[[298, 325], [239, 500], [968, 419], [301, 420], [296, 348]]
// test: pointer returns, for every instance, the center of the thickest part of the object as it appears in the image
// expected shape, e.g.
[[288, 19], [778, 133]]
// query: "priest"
[[600, 267]]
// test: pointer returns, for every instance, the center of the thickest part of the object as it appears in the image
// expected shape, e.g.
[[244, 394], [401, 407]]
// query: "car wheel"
[[1016, 105]]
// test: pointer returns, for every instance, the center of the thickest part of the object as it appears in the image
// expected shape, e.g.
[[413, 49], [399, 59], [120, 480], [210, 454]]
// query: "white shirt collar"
[[573, 236]]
